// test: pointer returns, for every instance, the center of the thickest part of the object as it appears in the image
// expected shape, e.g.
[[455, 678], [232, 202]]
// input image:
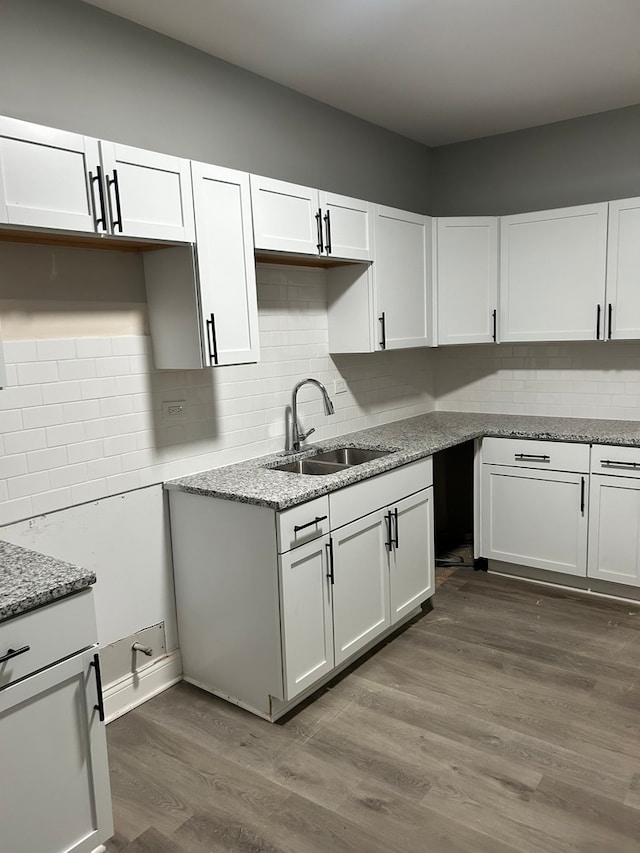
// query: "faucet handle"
[[305, 435]]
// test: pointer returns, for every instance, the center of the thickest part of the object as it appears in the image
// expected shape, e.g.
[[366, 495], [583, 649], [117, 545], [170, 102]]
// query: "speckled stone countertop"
[[29, 579], [254, 482]]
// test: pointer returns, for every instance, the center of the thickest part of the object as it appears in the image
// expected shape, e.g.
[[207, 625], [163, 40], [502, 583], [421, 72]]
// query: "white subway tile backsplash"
[[51, 501], [40, 416], [51, 457], [13, 466], [25, 441], [28, 484], [65, 434], [20, 351], [94, 347], [37, 372], [80, 368], [60, 392], [11, 420], [54, 350], [68, 476], [83, 451]]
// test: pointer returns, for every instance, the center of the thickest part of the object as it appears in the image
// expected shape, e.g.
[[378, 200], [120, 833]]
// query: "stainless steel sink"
[[310, 466], [331, 461], [350, 455]]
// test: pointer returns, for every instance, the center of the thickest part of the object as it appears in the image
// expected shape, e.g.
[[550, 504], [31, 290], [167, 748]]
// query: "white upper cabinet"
[[623, 270], [347, 227], [305, 221], [45, 177], [203, 308], [68, 182], [401, 280], [552, 273], [466, 279], [148, 194], [286, 217]]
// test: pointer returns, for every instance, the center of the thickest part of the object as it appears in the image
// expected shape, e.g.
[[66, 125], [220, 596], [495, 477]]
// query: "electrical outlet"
[[339, 386], [174, 410]]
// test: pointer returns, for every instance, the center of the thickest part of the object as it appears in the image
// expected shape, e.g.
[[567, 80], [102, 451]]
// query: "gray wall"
[[66, 64], [596, 158]]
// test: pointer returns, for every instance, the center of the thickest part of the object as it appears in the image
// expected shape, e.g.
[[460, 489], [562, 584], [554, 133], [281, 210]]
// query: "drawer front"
[[52, 632], [532, 453], [302, 523], [369, 495], [620, 461]]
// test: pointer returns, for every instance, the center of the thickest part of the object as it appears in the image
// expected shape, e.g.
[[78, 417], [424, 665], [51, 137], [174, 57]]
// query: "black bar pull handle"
[[113, 182], [100, 706], [212, 341], [614, 463], [327, 229], [319, 244], [523, 457], [396, 540], [610, 319], [383, 328], [582, 493], [329, 547], [13, 653], [495, 324], [316, 520], [598, 313], [102, 219]]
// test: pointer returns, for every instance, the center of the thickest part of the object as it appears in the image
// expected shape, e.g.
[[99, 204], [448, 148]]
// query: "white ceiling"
[[437, 71]]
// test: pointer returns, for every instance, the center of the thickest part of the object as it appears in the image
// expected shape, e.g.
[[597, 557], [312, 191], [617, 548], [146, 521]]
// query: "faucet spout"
[[297, 436]]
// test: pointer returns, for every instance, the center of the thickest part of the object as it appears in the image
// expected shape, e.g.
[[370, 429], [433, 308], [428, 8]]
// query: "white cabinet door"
[[53, 756], [45, 177], [148, 194], [286, 217], [226, 265], [466, 279], [623, 270], [202, 304], [535, 518], [412, 563], [403, 316], [552, 274], [614, 529], [361, 584], [307, 620], [347, 227]]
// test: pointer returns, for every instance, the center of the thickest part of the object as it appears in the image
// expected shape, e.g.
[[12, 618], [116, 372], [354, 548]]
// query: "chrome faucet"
[[297, 436]]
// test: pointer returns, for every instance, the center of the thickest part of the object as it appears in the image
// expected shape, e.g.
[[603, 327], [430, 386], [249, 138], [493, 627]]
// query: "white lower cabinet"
[[53, 752], [532, 516], [614, 530], [270, 604]]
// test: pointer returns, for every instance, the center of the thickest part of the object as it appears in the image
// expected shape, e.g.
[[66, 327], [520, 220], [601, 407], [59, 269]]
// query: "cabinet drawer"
[[52, 632], [621, 461], [302, 523], [369, 495], [532, 453]]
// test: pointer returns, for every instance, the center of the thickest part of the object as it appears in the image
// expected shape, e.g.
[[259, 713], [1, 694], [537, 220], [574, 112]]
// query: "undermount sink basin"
[[331, 461], [350, 455], [309, 466]]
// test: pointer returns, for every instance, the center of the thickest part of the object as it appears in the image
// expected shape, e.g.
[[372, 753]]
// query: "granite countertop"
[[29, 579], [414, 438]]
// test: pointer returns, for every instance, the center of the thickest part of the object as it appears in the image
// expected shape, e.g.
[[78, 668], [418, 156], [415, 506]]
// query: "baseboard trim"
[[127, 693]]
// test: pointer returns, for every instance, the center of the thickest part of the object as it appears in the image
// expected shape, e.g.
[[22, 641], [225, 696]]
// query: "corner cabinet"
[[465, 263], [202, 300], [387, 305], [52, 735], [68, 182], [623, 271], [552, 274], [304, 221], [273, 604]]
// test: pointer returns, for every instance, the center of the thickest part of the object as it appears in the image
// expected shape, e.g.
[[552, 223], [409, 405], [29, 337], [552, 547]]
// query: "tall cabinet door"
[[56, 797], [623, 270], [148, 194], [45, 177], [306, 611], [348, 227], [412, 564], [614, 529], [226, 266], [552, 274], [286, 217], [466, 279], [361, 584], [401, 279], [535, 518]]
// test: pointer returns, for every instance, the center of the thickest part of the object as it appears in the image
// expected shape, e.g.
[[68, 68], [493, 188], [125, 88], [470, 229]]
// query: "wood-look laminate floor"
[[507, 719]]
